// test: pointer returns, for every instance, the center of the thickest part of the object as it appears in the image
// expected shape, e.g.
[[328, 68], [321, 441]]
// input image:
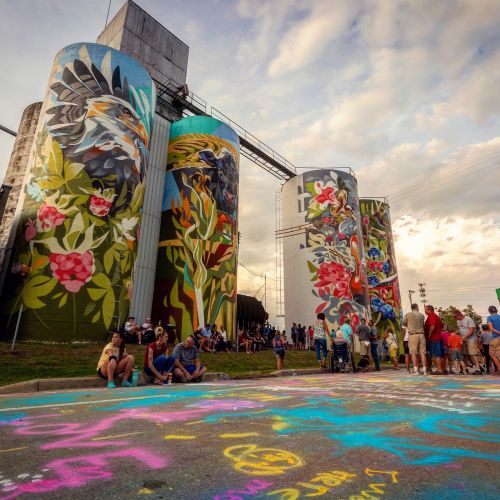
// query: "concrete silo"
[[324, 266], [197, 257], [77, 239], [382, 272]]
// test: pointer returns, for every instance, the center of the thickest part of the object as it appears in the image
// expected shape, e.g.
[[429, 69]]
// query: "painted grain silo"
[[77, 238], [382, 272], [197, 257], [324, 266]]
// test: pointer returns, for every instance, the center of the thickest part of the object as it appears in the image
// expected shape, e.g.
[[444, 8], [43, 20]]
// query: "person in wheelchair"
[[341, 354]]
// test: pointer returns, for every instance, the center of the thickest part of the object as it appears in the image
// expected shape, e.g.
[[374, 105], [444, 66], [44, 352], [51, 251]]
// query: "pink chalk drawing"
[[81, 435], [250, 489], [73, 473]]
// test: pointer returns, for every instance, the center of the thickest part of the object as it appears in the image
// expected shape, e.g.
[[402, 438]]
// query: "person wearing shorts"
[[414, 321], [457, 359], [279, 350], [433, 327], [406, 349], [467, 329], [493, 321], [364, 339]]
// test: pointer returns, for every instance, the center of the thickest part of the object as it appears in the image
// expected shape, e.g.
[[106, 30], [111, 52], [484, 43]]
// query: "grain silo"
[[197, 257], [77, 238], [382, 272], [324, 266]]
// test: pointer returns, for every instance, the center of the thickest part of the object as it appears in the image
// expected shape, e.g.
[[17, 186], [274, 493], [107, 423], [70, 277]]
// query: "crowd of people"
[[427, 343], [461, 350]]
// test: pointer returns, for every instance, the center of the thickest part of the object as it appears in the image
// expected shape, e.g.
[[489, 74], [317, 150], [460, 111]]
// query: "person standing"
[[279, 350], [294, 335], [414, 321], [364, 340], [485, 339], [406, 337], [467, 330], [373, 335], [392, 343], [320, 334], [432, 328], [493, 321]]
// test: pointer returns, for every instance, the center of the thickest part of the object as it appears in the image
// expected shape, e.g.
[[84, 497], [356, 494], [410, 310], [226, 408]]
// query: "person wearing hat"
[[133, 329]]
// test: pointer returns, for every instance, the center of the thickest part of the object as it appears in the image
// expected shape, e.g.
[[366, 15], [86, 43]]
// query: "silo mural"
[[378, 244], [197, 259], [324, 266], [75, 251]]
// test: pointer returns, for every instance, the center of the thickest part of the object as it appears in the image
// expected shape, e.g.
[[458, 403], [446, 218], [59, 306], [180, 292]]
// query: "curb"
[[54, 384]]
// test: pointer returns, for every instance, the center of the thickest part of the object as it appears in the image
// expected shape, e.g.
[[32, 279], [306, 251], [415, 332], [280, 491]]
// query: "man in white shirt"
[[133, 329], [467, 330]]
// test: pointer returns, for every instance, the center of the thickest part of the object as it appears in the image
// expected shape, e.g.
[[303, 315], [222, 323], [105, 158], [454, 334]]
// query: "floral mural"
[[385, 299], [77, 239], [334, 245], [197, 259]]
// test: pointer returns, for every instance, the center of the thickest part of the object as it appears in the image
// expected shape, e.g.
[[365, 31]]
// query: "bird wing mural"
[[95, 122]]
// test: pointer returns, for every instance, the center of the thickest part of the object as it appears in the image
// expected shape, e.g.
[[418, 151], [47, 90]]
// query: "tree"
[[448, 316]]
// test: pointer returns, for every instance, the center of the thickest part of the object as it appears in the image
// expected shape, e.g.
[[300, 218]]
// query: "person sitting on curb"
[[115, 361], [157, 363], [187, 362]]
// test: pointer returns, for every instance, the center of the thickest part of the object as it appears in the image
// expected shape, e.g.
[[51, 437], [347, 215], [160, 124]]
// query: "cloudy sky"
[[405, 93]]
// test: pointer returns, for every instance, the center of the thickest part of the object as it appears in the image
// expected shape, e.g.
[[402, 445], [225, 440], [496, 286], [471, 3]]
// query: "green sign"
[[498, 294]]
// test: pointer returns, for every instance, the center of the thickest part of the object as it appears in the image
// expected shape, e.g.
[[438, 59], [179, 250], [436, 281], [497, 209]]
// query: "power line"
[[433, 185], [480, 160]]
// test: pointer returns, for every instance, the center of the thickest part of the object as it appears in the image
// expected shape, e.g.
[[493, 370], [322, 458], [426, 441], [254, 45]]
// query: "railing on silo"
[[181, 98]]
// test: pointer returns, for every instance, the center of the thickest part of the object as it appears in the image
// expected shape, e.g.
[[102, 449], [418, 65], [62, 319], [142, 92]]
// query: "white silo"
[[324, 265]]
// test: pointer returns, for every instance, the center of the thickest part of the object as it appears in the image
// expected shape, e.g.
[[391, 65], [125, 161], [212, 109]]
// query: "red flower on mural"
[[374, 265], [99, 205], [333, 278], [49, 217], [326, 196], [72, 270]]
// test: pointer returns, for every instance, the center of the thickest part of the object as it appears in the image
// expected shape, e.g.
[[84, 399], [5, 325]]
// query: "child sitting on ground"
[[455, 344]]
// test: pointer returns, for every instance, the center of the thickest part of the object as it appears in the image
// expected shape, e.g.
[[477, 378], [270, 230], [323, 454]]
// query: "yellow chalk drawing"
[[285, 494], [318, 490], [333, 478], [114, 436], [240, 435], [195, 422], [255, 461], [392, 473], [145, 491], [175, 436]]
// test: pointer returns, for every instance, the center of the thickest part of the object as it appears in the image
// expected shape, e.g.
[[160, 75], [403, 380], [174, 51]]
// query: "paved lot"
[[343, 436]]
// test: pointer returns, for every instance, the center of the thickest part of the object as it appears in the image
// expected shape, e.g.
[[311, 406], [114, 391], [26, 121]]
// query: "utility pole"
[[421, 289], [410, 292]]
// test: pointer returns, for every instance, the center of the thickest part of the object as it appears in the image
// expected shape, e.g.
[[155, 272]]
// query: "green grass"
[[34, 360]]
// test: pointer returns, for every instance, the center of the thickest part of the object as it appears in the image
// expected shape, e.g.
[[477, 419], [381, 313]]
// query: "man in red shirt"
[[433, 327]]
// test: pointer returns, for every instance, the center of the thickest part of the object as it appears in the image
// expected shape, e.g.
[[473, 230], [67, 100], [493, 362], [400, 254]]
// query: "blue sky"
[[405, 93]]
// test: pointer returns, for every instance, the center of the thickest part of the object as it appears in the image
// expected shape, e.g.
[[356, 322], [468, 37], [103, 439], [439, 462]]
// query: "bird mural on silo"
[[95, 121]]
